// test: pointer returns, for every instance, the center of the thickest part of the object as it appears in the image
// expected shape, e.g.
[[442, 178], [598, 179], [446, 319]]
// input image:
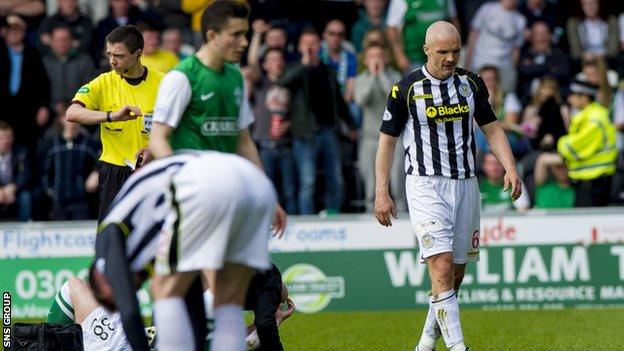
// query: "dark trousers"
[[263, 297], [112, 179], [595, 192]]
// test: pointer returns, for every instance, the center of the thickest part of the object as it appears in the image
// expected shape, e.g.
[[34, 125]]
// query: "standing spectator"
[[25, 90], [15, 173], [372, 16], [172, 42], [496, 36], [68, 157], [590, 32], [589, 147], [67, 68], [552, 184], [493, 197], [540, 59], [68, 15], [407, 23], [316, 107], [122, 12], [371, 93], [153, 56], [96, 10], [338, 54], [264, 37], [545, 118], [121, 102], [272, 129], [31, 11]]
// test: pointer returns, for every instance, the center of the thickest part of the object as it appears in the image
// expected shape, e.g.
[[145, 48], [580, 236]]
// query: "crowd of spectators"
[[318, 74]]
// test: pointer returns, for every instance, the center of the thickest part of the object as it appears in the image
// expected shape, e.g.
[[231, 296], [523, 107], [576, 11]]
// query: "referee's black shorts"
[[112, 178]]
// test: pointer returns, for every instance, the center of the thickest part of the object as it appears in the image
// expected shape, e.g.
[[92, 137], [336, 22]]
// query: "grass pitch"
[[483, 330]]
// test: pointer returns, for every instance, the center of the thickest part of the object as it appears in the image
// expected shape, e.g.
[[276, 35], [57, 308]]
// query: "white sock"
[[175, 331], [429, 336], [446, 311], [229, 332]]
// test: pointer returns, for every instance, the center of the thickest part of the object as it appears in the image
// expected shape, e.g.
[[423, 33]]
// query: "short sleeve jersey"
[[206, 108], [109, 92]]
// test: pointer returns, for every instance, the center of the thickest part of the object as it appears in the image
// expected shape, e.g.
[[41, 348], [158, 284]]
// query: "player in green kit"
[[201, 103]]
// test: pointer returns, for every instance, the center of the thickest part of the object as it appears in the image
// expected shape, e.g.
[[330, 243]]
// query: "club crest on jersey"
[[464, 90], [387, 115], [427, 241]]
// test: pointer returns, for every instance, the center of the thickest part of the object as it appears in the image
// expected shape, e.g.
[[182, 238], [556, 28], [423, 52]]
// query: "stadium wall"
[[539, 260]]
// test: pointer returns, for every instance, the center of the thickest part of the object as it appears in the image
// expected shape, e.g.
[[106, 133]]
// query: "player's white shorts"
[[223, 214], [445, 215], [103, 331]]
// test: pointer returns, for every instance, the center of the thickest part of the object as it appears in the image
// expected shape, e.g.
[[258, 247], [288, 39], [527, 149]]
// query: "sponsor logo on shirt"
[[423, 96], [206, 97], [83, 90], [448, 113], [220, 127]]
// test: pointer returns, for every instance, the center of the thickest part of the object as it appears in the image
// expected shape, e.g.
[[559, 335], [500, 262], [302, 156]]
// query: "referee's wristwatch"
[[108, 116]]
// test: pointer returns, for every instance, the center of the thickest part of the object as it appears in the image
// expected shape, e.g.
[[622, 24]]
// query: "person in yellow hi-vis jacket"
[[589, 147]]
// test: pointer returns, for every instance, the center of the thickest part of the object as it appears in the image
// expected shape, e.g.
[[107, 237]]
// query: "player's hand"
[[92, 182], [512, 179], [384, 208], [126, 113], [282, 315], [279, 222]]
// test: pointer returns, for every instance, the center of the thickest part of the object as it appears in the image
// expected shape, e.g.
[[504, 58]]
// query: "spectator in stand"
[[621, 24], [546, 119], [552, 184], [96, 10], [25, 90], [263, 38], [122, 12], [496, 36], [493, 197], [589, 147], [15, 173], [338, 53], [541, 11], [374, 37], [31, 11], [508, 110], [172, 42], [68, 158], [67, 68], [153, 56], [595, 71], [316, 106], [271, 130], [371, 94], [539, 60], [372, 16], [68, 15], [407, 22], [591, 32]]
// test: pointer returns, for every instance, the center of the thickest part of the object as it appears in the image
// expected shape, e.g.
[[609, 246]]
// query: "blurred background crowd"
[[543, 61]]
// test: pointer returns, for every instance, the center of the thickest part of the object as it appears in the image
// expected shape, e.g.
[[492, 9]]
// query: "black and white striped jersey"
[[435, 119]]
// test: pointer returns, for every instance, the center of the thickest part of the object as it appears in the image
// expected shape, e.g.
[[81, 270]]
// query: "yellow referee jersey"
[[109, 92]]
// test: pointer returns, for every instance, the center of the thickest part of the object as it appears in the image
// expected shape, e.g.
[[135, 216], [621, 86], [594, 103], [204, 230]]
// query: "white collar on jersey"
[[434, 79]]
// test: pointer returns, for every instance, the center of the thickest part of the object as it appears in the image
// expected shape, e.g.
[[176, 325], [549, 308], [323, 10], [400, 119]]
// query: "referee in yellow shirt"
[[122, 102]]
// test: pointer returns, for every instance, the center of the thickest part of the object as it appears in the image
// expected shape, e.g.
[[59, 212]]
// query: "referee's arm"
[[77, 113]]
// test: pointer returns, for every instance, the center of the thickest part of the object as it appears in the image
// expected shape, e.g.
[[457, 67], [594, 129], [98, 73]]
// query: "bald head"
[[441, 30]]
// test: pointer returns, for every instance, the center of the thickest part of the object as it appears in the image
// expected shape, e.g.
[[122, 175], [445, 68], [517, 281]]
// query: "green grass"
[[483, 330]]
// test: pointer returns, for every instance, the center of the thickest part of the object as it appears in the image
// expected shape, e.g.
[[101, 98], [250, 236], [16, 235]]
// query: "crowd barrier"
[[538, 260]]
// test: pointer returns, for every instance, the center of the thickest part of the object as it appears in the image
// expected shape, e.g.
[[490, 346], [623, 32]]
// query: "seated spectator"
[[68, 158], [172, 42], [540, 60], [153, 56], [591, 32], [589, 147], [552, 185], [371, 94], [372, 16], [595, 71], [545, 119], [271, 130], [67, 68], [507, 108], [496, 36], [68, 15], [96, 10], [494, 198], [406, 25], [540, 11], [15, 176]]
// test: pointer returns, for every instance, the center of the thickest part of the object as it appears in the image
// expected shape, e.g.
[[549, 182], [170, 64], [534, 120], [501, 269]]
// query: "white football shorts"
[[103, 331]]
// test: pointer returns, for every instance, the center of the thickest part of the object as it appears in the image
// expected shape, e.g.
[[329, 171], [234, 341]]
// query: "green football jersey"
[[210, 121]]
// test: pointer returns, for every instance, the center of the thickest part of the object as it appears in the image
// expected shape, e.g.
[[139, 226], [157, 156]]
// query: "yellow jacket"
[[589, 147]]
